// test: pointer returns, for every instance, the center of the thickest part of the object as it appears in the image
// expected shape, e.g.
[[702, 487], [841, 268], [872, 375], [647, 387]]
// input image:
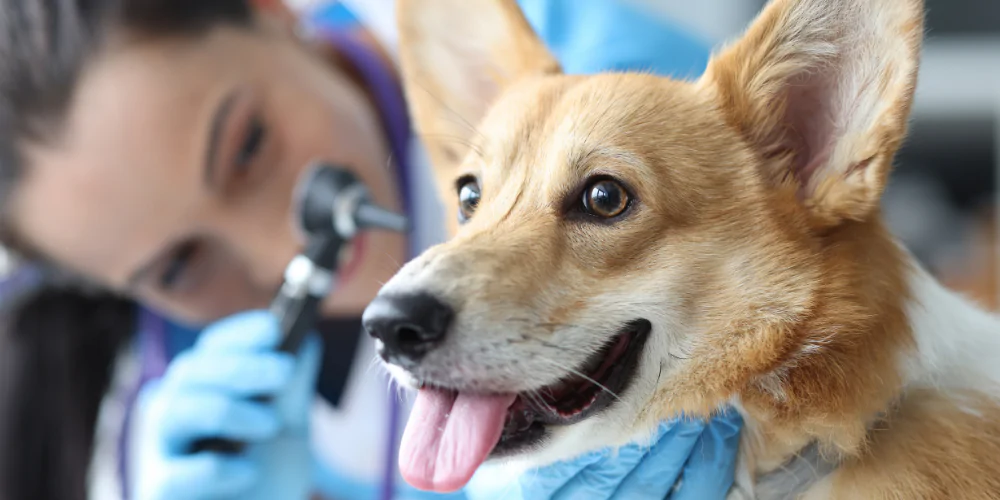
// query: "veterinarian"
[[150, 151]]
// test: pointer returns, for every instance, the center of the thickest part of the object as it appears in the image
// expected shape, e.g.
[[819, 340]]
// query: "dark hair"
[[58, 344], [56, 362]]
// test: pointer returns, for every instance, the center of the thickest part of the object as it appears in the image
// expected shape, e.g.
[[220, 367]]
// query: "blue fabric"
[[332, 16], [180, 338], [591, 36]]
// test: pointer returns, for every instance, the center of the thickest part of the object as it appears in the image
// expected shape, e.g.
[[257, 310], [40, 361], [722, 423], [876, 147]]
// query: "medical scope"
[[331, 206]]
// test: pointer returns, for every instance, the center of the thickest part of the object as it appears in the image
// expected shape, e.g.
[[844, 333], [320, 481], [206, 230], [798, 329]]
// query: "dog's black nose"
[[409, 326]]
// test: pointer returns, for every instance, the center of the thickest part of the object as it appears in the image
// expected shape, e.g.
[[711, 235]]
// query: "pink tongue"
[[449, 435]]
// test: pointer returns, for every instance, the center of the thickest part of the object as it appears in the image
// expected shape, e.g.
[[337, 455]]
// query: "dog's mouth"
[[451, 432], [592, 388]]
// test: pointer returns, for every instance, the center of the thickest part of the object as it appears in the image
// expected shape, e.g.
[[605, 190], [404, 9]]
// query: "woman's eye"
[[251, 146], [606, 198], [468, 198], [178, 266]]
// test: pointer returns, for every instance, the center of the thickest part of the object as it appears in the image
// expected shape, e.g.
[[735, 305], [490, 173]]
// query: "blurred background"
[[943, 200]]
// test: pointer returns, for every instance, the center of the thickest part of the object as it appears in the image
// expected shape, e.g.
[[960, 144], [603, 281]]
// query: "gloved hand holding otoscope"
[[331, 205], [230, 417]]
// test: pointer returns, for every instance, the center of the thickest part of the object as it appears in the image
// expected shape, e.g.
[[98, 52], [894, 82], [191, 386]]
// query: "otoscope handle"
[[301, 316], [308, 279]]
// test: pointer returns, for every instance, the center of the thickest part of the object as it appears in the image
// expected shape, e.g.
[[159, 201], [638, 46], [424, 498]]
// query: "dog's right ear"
[[822, 90], [456, 56]]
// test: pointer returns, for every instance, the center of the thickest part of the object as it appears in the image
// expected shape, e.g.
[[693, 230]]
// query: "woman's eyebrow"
[[215, 136]]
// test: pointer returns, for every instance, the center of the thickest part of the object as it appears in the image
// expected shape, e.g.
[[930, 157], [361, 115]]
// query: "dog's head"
[[626, 247]]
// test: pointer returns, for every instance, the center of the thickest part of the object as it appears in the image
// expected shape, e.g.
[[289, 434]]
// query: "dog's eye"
[[468, 198], [605, 198]]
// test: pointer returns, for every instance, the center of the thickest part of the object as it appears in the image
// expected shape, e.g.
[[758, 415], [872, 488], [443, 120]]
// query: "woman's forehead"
[[126, 166]]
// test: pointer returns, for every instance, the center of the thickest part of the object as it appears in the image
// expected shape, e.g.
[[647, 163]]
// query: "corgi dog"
[[627, 248]]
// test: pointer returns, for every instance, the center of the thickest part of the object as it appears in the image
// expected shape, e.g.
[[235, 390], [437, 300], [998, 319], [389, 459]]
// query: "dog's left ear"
[[822, 90], [456, 57]]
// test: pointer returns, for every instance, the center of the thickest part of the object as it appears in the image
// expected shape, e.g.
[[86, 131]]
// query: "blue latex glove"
[[206, 392], [702, 455]]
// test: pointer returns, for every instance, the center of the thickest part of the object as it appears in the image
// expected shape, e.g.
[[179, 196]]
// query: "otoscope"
[[331, 206]]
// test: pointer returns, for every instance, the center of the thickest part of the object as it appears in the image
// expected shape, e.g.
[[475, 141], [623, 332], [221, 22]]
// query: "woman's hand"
[[702, 454], [207, 392]]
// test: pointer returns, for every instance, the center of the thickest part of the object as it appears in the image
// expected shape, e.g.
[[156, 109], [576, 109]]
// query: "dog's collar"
[[795, 476], [808, 467]]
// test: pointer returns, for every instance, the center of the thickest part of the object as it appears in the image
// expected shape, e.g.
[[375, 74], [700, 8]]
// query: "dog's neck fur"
[[881, 328]]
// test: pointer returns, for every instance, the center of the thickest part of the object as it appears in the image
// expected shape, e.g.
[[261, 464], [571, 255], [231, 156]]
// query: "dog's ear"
[[822, 90], [456, 56]]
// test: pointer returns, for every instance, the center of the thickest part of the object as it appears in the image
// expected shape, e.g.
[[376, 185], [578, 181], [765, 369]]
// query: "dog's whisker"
[[545, 392], [559, 325], [578, 373], [400, 393], [566, 349], [393, 388], [394, 260], [460, 119], [458, 140], [397, 391], [375, 362], [535, 398]]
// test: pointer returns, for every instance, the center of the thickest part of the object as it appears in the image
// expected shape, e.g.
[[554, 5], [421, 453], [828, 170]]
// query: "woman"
[[150, 152]]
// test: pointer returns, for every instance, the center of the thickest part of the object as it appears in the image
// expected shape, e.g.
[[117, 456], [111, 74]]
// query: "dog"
[[627, 248]]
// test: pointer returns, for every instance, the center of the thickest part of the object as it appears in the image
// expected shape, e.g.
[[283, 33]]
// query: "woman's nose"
[[264, 252]]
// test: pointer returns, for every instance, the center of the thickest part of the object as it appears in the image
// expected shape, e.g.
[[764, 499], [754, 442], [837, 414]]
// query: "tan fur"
[[938, 446], [761, 250]]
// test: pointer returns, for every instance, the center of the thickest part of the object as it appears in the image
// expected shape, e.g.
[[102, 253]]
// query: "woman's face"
[[173, 177]]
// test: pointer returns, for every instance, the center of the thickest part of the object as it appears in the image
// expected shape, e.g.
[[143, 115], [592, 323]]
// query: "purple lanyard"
[[392, 109]]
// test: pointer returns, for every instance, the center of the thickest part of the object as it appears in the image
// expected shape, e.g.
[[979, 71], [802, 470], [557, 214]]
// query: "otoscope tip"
[[371, 216]]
